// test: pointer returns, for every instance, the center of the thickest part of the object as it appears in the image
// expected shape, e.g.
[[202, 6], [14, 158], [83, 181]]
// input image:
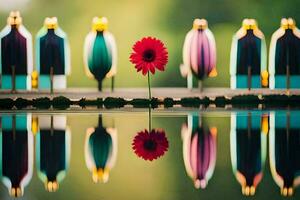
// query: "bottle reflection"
[[284, 144], [53, 142], [100, 151], [199, 150], [248, 143], [16, 157]]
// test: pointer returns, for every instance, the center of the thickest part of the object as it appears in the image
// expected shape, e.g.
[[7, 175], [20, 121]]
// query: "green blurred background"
[[168, 20]]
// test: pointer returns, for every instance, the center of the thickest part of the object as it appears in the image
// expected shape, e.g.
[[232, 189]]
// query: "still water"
[[113, 155]]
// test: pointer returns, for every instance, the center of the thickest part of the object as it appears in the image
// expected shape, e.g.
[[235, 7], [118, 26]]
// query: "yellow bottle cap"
[[51, 22], [248, 190], [14, 18], [284, 23], [287, 191], [16, 192], [199, 24], [249, 24], [51, 186], [292, 23], [100, 175], [245, 24], [100, 24]]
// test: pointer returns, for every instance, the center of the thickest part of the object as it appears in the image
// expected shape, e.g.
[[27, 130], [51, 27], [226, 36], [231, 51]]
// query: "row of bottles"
[[249, 134], [248, 62], [248, 58], [52, 151], [52, 55]]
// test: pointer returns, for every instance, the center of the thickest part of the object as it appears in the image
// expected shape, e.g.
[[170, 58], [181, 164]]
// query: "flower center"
[[149, 55], [150, 145]]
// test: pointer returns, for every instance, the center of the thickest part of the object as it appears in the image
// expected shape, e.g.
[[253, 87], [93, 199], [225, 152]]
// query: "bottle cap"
[[51, 186], [200, 24], [292, 23], [100, 175], [100, 24], [284, 23], [287, 191], [248, 190], [249, 24], [51, 22], [14, 18], [16, 192]]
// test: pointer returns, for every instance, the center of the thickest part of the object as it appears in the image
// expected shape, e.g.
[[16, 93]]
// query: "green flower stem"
[[149, 87], [149, 92], [150, 119]]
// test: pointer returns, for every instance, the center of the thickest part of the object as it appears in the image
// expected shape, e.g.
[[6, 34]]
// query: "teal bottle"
[[100, 151], [100, 52]]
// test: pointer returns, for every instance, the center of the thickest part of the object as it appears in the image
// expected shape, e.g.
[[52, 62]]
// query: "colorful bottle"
[[284, 62], [248, 148], [53, 145], [100, 151], [16, 143], [284, 150], [15, 54], [100, 52], [199, 150], [248, 59], [52, 56], [199, 53]]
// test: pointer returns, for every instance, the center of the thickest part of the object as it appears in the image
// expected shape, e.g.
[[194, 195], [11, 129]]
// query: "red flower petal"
[[150, 146], [149, 54]]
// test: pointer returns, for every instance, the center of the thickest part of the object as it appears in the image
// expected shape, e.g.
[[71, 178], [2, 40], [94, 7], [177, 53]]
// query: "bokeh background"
[[169, 20]]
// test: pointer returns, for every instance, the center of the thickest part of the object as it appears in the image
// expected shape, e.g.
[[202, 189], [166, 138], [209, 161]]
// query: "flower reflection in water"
[[248, 146], [199, 150], [100, 151], [150, 145], [284, 150]]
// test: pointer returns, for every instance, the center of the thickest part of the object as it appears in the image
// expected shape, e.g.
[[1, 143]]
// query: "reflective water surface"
[[175, 155]]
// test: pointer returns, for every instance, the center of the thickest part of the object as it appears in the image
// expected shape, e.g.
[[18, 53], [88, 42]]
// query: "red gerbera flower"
[[149, 53], [150, 146]]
